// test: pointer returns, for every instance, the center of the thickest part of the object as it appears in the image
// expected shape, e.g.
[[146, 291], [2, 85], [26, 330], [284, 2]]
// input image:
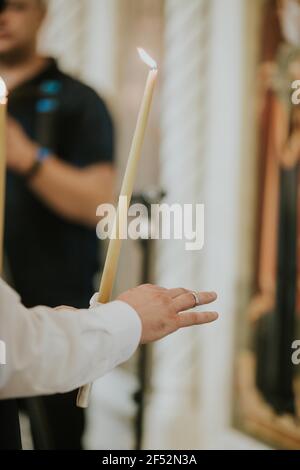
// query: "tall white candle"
[[113, 254], [3, 106]]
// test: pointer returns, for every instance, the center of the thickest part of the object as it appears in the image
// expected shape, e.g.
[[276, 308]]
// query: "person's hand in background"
[[164, 311]]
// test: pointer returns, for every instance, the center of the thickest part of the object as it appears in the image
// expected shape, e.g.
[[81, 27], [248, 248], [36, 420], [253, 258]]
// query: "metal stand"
[[146, 199]]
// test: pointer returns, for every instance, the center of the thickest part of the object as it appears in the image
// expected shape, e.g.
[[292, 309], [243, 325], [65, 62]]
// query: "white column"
[[230, 180], [206, 157], [171, 420]]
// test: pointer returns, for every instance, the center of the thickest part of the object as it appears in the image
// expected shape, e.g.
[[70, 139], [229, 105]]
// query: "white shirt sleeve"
[[50, 352]]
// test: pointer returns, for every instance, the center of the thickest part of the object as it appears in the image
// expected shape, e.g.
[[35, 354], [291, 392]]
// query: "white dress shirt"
[[50, 352]]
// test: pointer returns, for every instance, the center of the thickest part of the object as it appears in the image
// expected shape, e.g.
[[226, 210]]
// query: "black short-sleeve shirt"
[[53, 261]]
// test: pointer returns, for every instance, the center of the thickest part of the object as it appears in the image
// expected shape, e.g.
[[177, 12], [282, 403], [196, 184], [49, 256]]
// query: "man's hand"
[[21, 151], [164, 311]]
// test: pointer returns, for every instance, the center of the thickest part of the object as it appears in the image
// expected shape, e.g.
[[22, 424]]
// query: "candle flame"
[[3, 92], [147, 59]]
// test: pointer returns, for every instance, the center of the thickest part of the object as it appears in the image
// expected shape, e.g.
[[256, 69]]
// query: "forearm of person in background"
[[73, 193]]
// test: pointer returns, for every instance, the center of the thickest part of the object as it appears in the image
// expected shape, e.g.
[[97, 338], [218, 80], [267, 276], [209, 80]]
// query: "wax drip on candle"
[[3, 92], [147, 59]]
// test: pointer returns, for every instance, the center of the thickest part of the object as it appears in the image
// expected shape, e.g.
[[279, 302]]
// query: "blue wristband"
[[42, 154]]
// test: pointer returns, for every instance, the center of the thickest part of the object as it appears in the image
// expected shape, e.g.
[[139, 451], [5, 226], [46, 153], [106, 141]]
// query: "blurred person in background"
[[59, 160]]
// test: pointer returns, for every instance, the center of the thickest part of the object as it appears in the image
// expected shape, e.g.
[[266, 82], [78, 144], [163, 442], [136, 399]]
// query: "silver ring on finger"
[[197, 298]]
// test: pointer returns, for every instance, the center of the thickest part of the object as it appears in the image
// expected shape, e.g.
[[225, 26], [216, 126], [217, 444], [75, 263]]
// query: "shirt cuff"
[[124, 325]]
